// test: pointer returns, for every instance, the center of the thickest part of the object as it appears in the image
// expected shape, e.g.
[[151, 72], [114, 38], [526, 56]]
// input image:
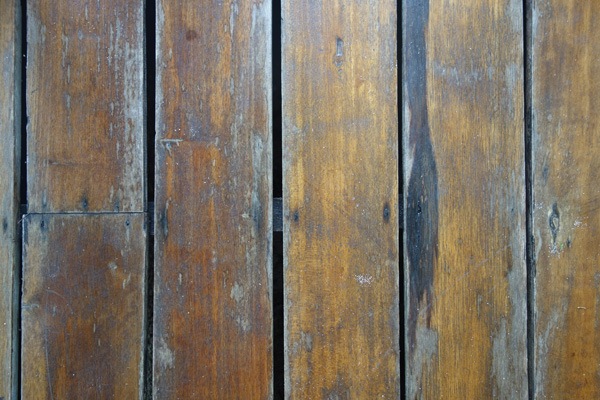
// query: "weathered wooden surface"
[[340, 197], [9, 178], [212, 304], [83, 306], [463, 141], [566, 198], [85, 103]]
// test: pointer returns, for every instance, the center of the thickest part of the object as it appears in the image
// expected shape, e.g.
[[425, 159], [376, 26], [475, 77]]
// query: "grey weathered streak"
[[85, 103], [9, 184]]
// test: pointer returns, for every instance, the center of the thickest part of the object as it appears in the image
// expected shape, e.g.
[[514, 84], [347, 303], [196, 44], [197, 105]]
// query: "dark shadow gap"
[[278, 332], [278, 306], [21, 181], [529, 244], [399, 60], [150, 85]]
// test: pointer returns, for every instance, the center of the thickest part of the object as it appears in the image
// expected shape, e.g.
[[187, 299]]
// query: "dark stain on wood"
[[422, 192]]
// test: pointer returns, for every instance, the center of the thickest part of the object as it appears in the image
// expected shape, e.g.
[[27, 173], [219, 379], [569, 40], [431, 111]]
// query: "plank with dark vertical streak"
[[85, 103], [340, 193], [10, 125], [212, 292], [566, 197], [83, 306], [463, 152]]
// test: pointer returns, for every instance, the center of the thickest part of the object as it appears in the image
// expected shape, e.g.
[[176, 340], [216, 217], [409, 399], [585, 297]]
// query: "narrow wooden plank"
[[212, 304], [10, 126], [566, 217], [340, 198], [83, 306], [463, 151], [85, 103]]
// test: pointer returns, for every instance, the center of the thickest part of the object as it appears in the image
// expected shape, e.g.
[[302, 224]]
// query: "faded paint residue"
[[237, 293], [364, 279]]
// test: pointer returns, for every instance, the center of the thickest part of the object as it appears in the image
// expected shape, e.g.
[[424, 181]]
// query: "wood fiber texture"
[[566, 198], [464, 177], [340, 194], [83, 306], [212, 292], [10, 125], [85, 105]]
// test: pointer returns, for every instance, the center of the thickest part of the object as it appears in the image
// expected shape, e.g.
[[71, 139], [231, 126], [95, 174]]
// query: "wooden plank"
[[10, 151], [85, 103], [340, 196], [463, 151], [566, 217], [83, 306], [212, 304]]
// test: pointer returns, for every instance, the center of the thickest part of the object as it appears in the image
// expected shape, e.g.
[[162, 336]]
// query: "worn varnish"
[[10, 122], [340, 197], [463, 151], [566, 198], [83, 306], [85, 104], [212, 304]]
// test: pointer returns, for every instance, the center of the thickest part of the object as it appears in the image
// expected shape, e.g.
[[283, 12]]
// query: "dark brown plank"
[[85, 102], [83, 306], [10, 59], [212, 322], [340, 198], [566, 217], [463, 145]]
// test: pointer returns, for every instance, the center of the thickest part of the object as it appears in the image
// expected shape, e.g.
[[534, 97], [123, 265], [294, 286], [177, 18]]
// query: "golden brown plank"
[[9, 178], [83, 306], [212, 322], [340, 199], [463, 151], [85, 91], [566, 211]]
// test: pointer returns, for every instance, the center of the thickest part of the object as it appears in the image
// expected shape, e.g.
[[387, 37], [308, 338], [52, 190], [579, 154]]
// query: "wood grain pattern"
[[85, 103], [212, 304], [340, 197], [83, 306], [566, 217], [10, 125], [463, 150]]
